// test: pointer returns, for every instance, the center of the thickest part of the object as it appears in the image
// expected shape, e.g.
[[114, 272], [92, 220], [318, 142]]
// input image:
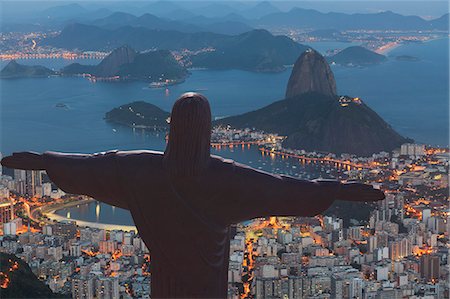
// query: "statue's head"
[[188, 149]]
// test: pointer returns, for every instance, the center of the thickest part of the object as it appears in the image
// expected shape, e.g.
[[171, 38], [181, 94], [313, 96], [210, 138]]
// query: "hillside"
[[314, 119], [128, 64], [257, 50], [18, 281], [16, 70], [358, 56], [138, 114]]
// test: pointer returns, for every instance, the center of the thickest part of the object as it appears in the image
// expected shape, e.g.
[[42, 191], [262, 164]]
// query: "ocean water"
[[411, 96]]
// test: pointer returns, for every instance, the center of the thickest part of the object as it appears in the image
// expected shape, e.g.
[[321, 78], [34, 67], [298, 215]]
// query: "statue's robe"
[[184, 221]]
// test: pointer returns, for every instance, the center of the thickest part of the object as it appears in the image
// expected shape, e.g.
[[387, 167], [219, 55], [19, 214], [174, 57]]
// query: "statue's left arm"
[[254, 193]]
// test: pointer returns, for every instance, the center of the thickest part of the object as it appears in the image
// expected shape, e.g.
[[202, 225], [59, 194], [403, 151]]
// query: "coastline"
[[49, 212], [385, 49]]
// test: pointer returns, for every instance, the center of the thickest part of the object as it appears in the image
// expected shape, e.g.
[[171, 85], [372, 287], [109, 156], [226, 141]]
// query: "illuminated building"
[[82, 288], [10, 228], [411, 149], [426, 213], [107, 246], [6, 211], [66, 229], [400, 249]]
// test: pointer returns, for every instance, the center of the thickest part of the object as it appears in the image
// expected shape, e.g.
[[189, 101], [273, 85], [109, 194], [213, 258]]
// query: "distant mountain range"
[[357, 56], [256, 50], [190, 16], [315, 119], [154, 66], [121, 19], [313, 19], [16, 70]]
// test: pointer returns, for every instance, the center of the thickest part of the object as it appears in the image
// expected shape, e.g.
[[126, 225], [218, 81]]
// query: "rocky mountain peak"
[[111, 64], [311, 73]]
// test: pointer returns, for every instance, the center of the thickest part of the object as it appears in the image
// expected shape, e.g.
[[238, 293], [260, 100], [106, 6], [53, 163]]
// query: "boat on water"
[[165, 83], [61, 105]]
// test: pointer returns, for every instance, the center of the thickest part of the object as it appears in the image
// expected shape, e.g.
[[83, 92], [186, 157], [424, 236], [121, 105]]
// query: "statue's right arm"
[[94, 175]]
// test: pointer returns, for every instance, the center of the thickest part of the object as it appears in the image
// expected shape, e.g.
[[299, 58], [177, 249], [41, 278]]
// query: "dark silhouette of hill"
[[20, 280], [255, 50], [89, 37], [16, 70], [357, 55], [138, 114], [259, 10], [311, 73], [129, 64], [441, 23], [315, 119]]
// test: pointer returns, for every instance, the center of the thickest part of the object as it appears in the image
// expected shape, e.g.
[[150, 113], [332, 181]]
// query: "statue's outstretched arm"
[[93, 175], [259, 194]]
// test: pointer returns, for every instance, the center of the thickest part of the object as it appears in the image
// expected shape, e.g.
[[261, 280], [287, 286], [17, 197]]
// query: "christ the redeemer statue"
[[184, 200]]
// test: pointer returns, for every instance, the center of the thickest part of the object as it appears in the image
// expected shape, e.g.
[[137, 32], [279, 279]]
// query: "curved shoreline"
[[50, 213]]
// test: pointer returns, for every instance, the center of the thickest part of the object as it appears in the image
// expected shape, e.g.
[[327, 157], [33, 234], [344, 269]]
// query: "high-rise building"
[[26, 181], [356, 288], [382, 273], [107, 288], [429, 267], [338, 286], [10, 228], [295, 290], [107, 246], [400, 248], [426, 213], [67, 229], [19, 180], [412, 149], [75, 249], [268, 288], [82, 288], [33, 181]]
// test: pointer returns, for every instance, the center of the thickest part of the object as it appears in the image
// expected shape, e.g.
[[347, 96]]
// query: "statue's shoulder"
[[222, 164], [139, 156]]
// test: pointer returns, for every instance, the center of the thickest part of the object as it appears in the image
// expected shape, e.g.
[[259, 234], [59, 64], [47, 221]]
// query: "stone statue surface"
[[184, 200]]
